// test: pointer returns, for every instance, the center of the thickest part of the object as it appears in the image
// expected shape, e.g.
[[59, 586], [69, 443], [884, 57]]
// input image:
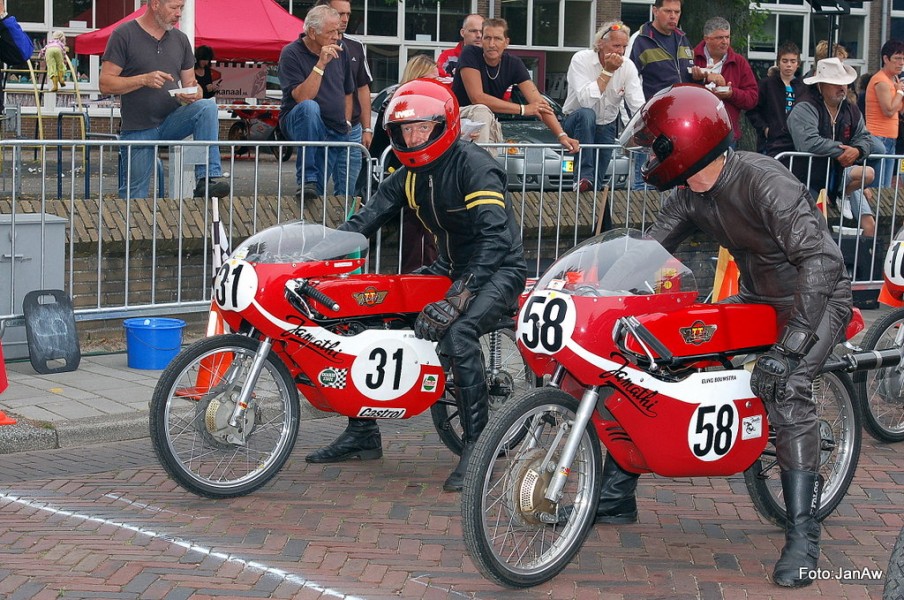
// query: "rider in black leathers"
[[754, 207], [459, 192]]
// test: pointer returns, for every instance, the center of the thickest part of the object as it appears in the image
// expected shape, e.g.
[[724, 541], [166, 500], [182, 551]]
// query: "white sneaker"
[[846, 211]]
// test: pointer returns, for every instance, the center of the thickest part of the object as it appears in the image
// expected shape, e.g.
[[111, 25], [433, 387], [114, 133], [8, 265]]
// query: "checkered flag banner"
[[219, 237]]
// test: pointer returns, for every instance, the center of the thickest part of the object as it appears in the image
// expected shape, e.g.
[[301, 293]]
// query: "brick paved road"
[[105, 522]]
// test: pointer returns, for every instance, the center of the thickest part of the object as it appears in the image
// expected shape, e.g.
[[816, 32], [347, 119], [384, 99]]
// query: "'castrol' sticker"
[[712, 431]]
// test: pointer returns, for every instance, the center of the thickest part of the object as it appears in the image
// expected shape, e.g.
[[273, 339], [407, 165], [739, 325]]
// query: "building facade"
[[545, 33]]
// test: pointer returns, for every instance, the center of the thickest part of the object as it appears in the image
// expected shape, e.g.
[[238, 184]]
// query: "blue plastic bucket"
[[152, 343]]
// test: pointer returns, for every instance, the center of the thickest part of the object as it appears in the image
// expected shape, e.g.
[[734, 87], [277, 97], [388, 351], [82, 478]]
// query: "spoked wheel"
[[238, 133], [880, 392], [283, 153], [507, 376], [513, 533], [894, 576], [191, 408], [839, 428]]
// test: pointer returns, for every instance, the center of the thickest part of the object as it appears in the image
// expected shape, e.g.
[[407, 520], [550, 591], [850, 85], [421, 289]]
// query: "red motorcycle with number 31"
[[636, 364], [224, 414]]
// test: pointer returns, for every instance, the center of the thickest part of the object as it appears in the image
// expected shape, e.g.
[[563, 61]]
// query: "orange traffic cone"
[[725, 282], [887, 299], [213, 367], [4, 383]]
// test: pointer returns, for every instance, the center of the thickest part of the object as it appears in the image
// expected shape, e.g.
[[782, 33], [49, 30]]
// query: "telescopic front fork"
[[581, 420], [241, 405]]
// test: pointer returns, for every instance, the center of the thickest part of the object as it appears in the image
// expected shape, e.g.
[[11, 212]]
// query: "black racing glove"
[[438, 316], [770, 375], [769, 379]]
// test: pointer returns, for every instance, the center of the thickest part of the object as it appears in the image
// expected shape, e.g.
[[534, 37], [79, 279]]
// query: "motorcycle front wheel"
[[839, 428], [191, 408], [514, 535], [880, 391], [282, 153], [507, 377], [894, 575]]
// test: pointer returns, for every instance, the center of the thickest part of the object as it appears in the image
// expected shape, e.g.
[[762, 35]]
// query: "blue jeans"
[[304, 124], [198, 119], [581, 125], [884, 167]]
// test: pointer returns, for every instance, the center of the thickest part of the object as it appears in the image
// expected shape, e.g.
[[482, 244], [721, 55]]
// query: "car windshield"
[[297, 241], [621, 262]]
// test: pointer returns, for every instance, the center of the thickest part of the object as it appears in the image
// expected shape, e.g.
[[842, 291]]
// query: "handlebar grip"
[[315, 294]]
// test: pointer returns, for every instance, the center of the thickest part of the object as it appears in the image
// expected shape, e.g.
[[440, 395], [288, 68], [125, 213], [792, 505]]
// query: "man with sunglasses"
[[599, 79]]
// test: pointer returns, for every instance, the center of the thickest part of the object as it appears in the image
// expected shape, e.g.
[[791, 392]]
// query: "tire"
[[282, 153], [894, 575], [188, 418], [512, 379], [512, 544], [238, 133], [880, 401], [839, 425]]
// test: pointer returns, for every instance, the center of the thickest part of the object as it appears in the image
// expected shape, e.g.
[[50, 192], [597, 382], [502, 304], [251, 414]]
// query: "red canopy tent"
[[235, 29]]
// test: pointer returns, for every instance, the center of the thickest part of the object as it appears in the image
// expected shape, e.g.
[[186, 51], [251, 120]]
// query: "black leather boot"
[[797, 564], [361, 439], [473, 412], [618, 505]]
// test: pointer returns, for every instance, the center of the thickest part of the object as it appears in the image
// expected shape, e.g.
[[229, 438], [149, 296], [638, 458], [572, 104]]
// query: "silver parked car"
[[532, 167]]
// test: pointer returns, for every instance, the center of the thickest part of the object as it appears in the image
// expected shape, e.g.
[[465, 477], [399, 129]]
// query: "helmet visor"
[[634, 136]]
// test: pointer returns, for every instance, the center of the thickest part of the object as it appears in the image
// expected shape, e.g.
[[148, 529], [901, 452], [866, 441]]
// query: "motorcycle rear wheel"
[[881, 403], [894, 575], [191, 406], [282, 153], [839, 426], [511, 379], [238, 133], [513, 534]]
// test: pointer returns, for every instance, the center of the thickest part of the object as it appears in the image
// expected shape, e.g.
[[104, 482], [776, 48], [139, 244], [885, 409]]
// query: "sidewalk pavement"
[[102, 401]]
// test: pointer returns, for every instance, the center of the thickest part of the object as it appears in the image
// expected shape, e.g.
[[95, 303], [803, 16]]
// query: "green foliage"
[[743, 18]]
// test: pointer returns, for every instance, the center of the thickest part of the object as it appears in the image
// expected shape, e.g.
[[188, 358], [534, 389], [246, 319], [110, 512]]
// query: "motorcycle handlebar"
[[304, 289]]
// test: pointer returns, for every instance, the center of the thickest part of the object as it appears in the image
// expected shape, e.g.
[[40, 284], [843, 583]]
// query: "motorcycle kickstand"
[[581, 419], [241, 405]]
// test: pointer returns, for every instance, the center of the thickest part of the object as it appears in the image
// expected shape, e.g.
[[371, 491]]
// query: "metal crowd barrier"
[[122, 256]]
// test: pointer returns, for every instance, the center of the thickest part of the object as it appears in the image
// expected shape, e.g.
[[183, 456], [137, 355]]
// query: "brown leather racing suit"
[[786, 257]]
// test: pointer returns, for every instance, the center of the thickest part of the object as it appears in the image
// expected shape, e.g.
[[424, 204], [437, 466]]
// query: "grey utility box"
[[22, 272]]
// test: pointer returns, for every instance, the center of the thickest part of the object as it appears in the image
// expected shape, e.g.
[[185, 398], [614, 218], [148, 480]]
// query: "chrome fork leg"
[[241, 405], [581, 419]]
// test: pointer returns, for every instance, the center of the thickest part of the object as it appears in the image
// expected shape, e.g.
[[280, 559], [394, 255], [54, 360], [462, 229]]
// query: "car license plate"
[[568, 165]]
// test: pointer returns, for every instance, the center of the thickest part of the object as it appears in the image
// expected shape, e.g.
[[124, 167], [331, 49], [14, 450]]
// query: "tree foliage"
[[743, 18]]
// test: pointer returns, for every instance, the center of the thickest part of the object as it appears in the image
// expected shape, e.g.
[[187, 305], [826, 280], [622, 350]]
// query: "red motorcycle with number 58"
[[636, 364], [224, 414]]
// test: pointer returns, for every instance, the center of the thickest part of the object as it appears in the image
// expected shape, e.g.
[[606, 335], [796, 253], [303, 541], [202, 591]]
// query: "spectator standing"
[[826, 124], [777, 95], [725, 72], [15, 45], [884, 101], [471, 35], [144, 59], [208, 78], [483, 76], [361, 132], [599, 80], [663, 57], [316, 80], [660, 51]]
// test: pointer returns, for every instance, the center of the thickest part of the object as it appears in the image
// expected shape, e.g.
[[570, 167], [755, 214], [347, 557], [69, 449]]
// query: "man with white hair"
[[316, 80], [824, 123], [599, 79]]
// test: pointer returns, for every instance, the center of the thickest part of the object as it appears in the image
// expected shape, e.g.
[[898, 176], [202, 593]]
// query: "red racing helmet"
[[684, 127], [418, 101]]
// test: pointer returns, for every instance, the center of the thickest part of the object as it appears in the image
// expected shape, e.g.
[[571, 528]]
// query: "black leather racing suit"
[[786, 257], [461, 198]]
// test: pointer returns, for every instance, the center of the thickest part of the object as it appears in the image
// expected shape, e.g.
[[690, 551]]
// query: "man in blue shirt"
[[317, 85]]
